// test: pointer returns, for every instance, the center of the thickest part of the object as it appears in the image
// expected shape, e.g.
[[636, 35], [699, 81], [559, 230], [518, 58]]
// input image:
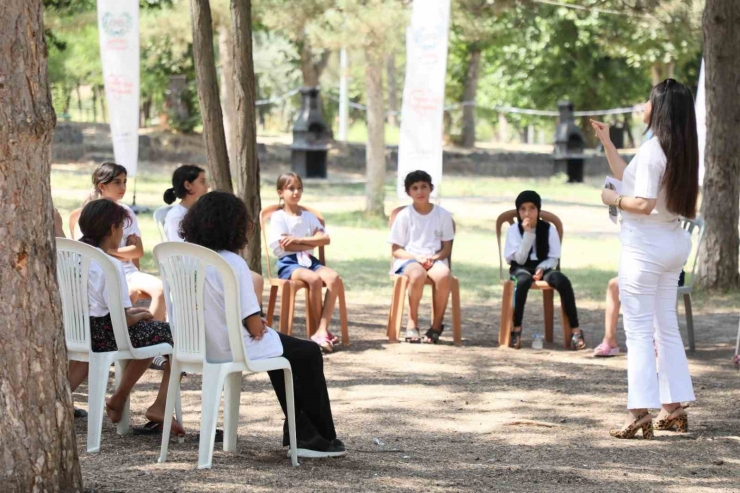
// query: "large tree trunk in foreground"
[[375, 147], [226, 62], [210, 105], [39, 452], [248, 168], [469, 94], [718, 267]]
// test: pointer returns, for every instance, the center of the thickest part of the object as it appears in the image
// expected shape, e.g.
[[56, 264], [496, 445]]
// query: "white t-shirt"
[[520, 248], [642, 178], [218, 348], [172, 222], [282, 224], [131, 229], [421, 234], [97, 292]]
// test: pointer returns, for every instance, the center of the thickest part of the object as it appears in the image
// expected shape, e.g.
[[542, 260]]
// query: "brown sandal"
[[631, 429]]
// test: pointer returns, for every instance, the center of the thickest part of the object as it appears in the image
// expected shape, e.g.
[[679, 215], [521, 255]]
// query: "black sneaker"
[[80, 413], [319, 447]]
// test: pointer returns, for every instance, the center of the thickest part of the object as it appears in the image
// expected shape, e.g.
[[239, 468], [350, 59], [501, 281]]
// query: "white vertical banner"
[[701, 121], [118, 25], [424, 92]]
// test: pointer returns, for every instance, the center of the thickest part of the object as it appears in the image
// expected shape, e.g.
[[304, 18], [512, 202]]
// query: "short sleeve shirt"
[[421, 234], [172, 222], [281, 224], [643, 178], [97, 291]]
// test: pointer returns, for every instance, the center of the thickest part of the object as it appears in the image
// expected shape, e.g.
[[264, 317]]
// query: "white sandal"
[[413, 336]]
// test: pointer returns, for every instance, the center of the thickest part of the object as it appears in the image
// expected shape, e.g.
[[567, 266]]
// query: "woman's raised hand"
[[602, 131]]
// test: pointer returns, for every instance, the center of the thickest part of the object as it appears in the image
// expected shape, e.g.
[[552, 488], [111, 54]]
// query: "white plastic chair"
[[159, 216], [183, 270], [691, 225], [73, 265]]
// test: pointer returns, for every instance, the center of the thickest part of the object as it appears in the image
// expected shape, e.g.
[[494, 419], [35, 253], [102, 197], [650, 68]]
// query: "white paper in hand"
[[616, 185]]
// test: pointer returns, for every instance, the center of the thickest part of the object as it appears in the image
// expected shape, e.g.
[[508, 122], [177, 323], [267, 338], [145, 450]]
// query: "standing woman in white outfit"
[[660, 184]]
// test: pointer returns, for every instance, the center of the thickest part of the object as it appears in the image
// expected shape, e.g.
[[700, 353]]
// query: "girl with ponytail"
[[188, 184]]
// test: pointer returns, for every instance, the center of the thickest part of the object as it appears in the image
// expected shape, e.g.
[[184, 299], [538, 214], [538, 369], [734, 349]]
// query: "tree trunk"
[[39, 452], [226, 61], [248, 168], [375, 147], [312, 70], [210, 105], [104, 114], [718, 267], [469, 94], [95, 104], [79, 103], [392, 92]]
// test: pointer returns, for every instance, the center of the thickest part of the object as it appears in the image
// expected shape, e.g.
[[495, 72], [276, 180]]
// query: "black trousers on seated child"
[[312, 406], [522, 275]]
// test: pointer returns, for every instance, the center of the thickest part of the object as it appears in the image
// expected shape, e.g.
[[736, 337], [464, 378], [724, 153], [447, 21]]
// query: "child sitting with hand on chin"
[[421, 236]]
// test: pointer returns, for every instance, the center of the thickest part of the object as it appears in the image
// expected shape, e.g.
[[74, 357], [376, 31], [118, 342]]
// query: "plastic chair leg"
[[343, 316], [400, 303], [689, 321], [122, 426], [293, 290], [97, 378], [567, 332], [271, 305], [288, 377], [311, 325], [213, 384], [173, 398], [232, 393], [507, 312], [391, 313], [548, 304], [456, 315], [284, 307]]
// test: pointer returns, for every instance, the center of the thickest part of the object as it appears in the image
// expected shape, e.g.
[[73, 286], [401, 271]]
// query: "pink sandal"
[[603, 350], [324, 343]]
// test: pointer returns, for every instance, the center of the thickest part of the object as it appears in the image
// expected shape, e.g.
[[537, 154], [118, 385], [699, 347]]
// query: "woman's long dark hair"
[[673, 121], [98, 217], [104, 174], [185, 173]]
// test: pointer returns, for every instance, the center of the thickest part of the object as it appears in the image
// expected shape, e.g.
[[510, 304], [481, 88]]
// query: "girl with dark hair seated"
[[219, 221], [533, 250], [102, 223]]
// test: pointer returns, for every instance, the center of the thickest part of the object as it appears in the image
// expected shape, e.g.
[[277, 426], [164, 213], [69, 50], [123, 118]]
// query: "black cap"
[[529, 196]]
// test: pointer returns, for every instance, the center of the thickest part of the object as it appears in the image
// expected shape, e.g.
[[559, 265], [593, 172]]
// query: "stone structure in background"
[[312, 137], [569, 144]]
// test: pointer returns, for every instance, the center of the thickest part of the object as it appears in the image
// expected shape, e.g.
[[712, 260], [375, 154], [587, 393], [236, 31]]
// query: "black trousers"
[[312, 406], [522, 275]]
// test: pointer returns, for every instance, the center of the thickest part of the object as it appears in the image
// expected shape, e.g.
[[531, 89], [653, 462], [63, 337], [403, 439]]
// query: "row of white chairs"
[[183, 270]]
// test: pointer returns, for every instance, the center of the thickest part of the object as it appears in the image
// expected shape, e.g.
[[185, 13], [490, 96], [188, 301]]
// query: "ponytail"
[[185, 173], [169, 196]]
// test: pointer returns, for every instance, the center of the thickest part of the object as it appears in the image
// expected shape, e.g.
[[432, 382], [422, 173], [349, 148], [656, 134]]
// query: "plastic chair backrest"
[[509, 217], [159, 216], [265, 215], [183, 267], [73, 266], [691, 225], [392, 219]]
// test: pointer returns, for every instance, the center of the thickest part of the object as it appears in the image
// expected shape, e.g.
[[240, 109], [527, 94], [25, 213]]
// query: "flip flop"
[[324, 343], [332, 338], [413, 336], [151, 428], [603, 350]]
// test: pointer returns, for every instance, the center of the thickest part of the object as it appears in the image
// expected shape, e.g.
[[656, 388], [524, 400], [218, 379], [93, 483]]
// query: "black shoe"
[[319, 447], [80, 413], [516, 339]]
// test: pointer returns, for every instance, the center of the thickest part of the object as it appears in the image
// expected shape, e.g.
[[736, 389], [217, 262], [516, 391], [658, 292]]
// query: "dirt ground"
[[422, 418]]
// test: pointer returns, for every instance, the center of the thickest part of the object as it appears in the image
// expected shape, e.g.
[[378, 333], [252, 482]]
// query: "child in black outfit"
[[533, 250]]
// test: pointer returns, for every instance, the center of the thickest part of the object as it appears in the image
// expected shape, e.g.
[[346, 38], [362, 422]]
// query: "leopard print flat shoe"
[[643, 422]]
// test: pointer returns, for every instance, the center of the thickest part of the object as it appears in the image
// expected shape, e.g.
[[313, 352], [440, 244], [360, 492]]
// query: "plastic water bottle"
[[537, 342]]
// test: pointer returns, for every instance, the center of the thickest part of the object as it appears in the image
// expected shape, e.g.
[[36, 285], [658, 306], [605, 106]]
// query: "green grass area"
[[357, 132]]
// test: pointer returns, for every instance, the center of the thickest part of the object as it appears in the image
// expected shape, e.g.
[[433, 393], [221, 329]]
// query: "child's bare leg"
[[314, 283], [442, 277], [333, 285], [152, 286], [611, 316], [259, 286], [77, 373], [155, 412], [133, 372], [417, 276]]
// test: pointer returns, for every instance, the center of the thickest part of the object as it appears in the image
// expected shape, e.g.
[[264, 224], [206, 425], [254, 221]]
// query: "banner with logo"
[[701, 121], [424, 92], [118, 24]]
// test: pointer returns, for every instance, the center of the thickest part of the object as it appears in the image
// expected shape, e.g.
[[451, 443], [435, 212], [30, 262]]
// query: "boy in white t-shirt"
[[421, 236], [219, 221]]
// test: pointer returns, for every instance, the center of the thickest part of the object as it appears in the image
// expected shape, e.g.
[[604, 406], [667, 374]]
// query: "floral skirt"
[[144, 333]]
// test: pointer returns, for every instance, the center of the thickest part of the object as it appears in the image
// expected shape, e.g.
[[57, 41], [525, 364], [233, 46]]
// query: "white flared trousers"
[[649, 266]]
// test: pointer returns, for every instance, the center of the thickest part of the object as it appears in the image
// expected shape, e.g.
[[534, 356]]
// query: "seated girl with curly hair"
[[219, 221]]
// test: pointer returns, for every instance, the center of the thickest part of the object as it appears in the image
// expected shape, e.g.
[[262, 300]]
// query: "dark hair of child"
[[98, 217], [104, 174], [416, 177], [219, 221], [185, 173], [286, 179]]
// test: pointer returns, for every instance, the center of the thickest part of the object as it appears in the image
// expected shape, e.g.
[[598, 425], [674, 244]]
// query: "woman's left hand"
[[608, 197]]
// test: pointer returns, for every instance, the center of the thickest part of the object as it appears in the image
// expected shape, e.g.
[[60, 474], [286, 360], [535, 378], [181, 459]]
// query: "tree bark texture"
[[208, 98], [375, 148], [718, 267], [312, 70], [226, 62], [38, 450], [392, 91], [245, 151], [469, 94]]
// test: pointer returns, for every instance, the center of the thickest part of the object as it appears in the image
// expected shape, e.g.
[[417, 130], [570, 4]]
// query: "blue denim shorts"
[[286, 265], [402, 267]]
